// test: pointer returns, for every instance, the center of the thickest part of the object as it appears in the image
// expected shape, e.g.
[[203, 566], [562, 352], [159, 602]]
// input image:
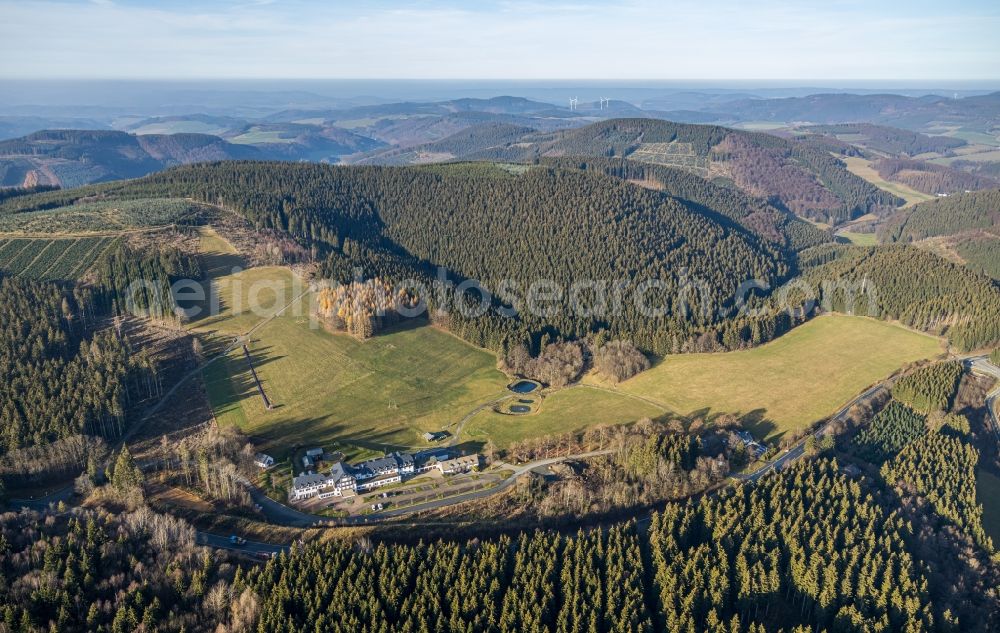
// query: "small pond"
[[519, 408], [523, 386]]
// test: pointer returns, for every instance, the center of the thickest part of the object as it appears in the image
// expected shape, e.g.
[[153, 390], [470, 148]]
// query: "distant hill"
[[931, 178], [194, 123], [70, 158], [795, 175], [295, 141], [18, 126], [914, 113], [890, 140], [467, 144], [495, 105]]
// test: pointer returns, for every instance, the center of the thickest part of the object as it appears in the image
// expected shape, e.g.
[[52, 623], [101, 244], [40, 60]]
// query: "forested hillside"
[[807, 549], [467, 144], [95, 571], [931, 178], [61, 380], [489, 223], [890, 140], [701, 239], [913, 286], [945, 216], [755, 214], [70, 158], [803, 178]]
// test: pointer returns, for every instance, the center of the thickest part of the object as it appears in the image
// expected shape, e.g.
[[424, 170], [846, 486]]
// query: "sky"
[[439, 39]]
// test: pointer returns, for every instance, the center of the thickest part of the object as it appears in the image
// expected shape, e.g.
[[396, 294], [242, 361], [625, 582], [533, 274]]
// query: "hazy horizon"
[[640, 40]]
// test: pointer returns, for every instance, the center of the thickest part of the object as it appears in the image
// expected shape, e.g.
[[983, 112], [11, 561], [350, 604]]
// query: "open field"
[[254, 136], [858, 239], [791, 382], [563, 411], [863, 168], [371, 395], [976, 137], [385, 392], [179, 127], [51, 259], [988, 494], [992, 156]]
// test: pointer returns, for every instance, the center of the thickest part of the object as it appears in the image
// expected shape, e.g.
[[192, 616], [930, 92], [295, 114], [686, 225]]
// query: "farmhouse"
[[262, 460], [753, 447]]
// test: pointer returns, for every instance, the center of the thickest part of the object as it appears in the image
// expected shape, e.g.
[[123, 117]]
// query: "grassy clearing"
[[992, 156], [791, 382], [369, 395], [863, 168], [988, 494], [180, 127], [976, 137], [255, 136], [858, 239], [563, 411], [385, 392]]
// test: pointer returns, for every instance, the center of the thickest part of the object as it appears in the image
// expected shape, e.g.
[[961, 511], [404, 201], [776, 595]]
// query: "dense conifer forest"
[[929, 388], [920, 289], [61, 378], [890, 430], [945, 216], [399, 223], [755, 214], [805, 550], [481, 221], [796, 174]]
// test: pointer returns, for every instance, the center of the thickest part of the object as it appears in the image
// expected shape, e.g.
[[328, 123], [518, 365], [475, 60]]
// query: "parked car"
[[237, 540]]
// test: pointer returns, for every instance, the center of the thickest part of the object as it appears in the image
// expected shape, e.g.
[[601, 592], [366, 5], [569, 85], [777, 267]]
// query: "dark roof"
[[339, 471], [310, 479]]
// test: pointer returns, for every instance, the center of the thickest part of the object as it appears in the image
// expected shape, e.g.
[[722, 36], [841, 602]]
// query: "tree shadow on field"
[[468, 447], [320, 431], [755, 421]]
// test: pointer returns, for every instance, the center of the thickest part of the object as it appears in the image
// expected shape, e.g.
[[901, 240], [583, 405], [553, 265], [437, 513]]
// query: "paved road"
[[978, 364], [479, 494], [281, 514], [202, 538], [457, 433], [799, 449], [250, 547]]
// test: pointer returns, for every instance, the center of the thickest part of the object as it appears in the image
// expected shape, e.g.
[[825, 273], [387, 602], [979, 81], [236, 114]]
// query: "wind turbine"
[[572, 103]]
